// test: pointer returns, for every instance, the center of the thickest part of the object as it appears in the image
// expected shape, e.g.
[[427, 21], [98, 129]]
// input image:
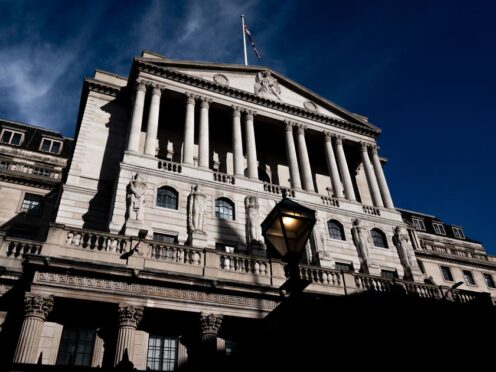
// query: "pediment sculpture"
[[267, 86]]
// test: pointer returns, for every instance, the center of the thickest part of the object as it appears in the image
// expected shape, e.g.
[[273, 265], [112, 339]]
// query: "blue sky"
[[423, 71]]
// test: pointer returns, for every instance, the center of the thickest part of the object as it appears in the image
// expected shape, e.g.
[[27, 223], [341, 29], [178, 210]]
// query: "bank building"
[[140, 240]]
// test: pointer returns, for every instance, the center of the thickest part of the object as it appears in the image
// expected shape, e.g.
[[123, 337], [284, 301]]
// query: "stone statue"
[[252, 221], [402, 242], [196, 209], [136, 198], [319, 238], [170, 150], [360, 235], [266, 85]]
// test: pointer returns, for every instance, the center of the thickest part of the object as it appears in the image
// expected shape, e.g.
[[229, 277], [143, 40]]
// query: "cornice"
[[487, 265], [102, 87], [198, 82], [21, 178]]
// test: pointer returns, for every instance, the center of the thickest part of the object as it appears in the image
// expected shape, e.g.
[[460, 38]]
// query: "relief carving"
[[267, 86], [136, 198]]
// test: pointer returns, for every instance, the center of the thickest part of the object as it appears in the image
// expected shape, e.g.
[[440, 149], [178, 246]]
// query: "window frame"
[[389, 274], [165, 205], [382, 235], [448, 270], [161, 349], [467, 274], [439, 228], [52, 140], [27, 212], [348, 265], [491, 279], [419, 224], [13, 131], [458, 232], [72, 354], [157, 235], [339, 227], [227, 247], [217, 211]]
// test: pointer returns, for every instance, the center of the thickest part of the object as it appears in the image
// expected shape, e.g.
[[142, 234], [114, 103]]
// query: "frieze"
[[105, 285]]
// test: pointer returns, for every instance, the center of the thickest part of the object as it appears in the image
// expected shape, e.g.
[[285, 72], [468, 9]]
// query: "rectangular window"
[[419, 224], [447, 273], [389, 274], [231, 347], [51, 146], [76, 347], [345, 267], [32, 204], [458, 232], [438, 228], [11, 137], [41, 172], [165, 238], [489, 280], [162, 353], [469, 278], [224, 247]]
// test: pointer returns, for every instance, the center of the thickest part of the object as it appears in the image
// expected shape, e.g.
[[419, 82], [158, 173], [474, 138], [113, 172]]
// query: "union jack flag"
[[252, 42]]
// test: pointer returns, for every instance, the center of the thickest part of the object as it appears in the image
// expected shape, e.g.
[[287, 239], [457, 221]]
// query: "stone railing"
[[14, 247], [371, 210], [244, 264], [10, 166], [322, 276], [170, 166], [326, 200], [224, 178], [422, 290], [175, 253], [278, 190], [461, 252], [372, 283], [97, 241]]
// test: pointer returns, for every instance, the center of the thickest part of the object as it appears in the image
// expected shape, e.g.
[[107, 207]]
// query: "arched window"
[[335, 229], [224, 209], [379, 238], [167, 197]]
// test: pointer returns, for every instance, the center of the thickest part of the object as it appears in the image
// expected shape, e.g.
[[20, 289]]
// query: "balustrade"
[[19, 247], [246, 265], [170, 166], [225, 178], [97, 241], [278, 190], [175, 254], [330, 201], [372, 210]]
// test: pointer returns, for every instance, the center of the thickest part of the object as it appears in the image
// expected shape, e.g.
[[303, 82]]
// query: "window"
[[11, 137], [32, 204], [165, 238], [224, 209], [41, 172], [232, 347], [52, 146], [489, 280], [379, 238], [335, 230], [438, 228], [223, 247], [345, 267], [389, 274], [419, 224], [458, 232], [446, 273], [167, 197], [162, 353], [469, 278], [76, 347]]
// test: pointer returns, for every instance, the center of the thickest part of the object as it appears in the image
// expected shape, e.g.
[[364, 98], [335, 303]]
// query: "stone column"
[[294, 171], [369, 173], [344, 170], [237, 142], [251, 147], [210, 325], [381, 179], [36, 309], [98, 350], [129, 319], [337, 187], [152, 127], [306, 170], [189, 130], [204, 160], [137, 117]]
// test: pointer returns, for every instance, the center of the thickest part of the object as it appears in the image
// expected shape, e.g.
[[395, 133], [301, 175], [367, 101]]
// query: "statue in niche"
[[360, 235], [266, 85], [252, 221], [196, 209], [136, 191], [170, 150], [401, 240]]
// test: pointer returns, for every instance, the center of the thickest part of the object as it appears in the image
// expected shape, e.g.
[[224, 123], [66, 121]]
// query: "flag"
[[252, 42]]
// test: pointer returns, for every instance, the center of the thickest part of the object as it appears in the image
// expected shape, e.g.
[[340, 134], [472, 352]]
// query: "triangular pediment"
[[262, 82]]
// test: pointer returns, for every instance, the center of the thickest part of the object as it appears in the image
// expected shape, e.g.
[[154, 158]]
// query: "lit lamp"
[[288, 227]]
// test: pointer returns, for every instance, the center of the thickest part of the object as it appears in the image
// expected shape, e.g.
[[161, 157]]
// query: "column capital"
[[190, 98], [365, 145], [37, 306], [250, 114], [289, 125], [236, 111], [327, 136], [129, 315], [157, 89], [339, 138], [301, 128], [205, 101], [374, 149], [141, 85], [210, 323]]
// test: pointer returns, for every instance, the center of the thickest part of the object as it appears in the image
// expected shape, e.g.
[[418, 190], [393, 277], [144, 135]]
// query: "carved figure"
[[360, 234], [252, 220], [136, 198], [319, 237], [401, 240], [266, 85], [196, 209]]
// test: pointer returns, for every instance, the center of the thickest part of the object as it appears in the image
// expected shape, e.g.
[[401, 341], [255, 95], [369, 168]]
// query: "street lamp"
[[288, 227]]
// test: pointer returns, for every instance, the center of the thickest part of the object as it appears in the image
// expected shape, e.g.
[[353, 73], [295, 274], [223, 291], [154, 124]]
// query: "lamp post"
[[288, 227]]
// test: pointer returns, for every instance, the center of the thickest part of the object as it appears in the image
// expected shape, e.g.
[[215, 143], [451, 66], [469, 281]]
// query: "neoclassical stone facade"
[[195, 155]]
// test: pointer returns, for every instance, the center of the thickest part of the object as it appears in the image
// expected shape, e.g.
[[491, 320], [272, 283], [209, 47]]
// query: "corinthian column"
[[237, 142], [294, 172], [381, 179], [304, 160], [369, 173], [36, 309], [337, 188], [137, 117], [129, 319], [210, 325], [251, 147], [152, 128], [344, 170], [204, 160], [189, 130]]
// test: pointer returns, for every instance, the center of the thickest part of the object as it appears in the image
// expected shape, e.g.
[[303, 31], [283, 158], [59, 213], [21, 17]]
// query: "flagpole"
[[244, 38]]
